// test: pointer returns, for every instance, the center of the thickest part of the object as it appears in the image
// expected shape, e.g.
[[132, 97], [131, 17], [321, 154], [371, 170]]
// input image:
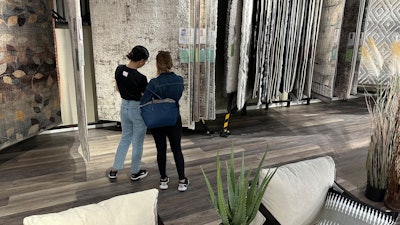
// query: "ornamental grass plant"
[[392, 197], [383, 108]]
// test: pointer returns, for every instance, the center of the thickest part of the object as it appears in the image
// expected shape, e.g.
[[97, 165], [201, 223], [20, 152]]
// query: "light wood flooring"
[[48, 174]]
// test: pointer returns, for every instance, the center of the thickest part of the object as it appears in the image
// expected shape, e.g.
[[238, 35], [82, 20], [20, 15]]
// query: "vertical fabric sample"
[[29, 94], [382, 22], [76, 33], [245, 43], [361, 25], [203, 14], [347, 66], [232, 45], [313, 32], [327, 49]]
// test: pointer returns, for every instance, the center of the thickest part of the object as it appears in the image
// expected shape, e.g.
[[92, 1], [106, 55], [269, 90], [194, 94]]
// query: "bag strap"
[[154, 81], [154, 93]]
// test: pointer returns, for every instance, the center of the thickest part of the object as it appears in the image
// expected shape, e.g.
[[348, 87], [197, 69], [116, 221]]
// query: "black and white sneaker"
[[112, 174], [140, 175], [164, 183], [183, 186]]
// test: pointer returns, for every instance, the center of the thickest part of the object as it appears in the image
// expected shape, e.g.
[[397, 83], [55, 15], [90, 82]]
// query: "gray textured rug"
[[383, 17]]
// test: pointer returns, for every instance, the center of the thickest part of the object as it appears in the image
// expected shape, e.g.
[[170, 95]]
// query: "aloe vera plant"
[[243, 199]]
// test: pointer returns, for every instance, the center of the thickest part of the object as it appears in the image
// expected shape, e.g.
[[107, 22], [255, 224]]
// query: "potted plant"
[[383, 110], [392, 197], [243, 196]]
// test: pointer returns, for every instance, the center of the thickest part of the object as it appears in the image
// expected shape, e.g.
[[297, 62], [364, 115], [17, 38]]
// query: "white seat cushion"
[[135, 208], [296, 193]]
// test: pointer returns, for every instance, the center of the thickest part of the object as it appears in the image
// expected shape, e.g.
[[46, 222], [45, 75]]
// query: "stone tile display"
[[29, 93], [382, 29]]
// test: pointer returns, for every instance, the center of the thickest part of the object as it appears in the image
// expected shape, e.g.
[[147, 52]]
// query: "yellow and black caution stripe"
[[225, 130]]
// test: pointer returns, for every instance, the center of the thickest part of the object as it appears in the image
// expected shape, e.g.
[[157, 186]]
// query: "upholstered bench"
[[135, 208], [305, 193]]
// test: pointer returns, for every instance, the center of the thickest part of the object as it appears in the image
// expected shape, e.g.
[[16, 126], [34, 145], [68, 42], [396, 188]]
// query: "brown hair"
[[164, 62]]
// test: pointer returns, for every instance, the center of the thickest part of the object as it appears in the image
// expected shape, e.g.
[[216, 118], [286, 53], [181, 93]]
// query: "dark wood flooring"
[[48, 174]]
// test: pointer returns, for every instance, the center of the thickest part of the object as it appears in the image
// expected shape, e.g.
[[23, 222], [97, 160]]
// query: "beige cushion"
[[296, 193], [130, 209]]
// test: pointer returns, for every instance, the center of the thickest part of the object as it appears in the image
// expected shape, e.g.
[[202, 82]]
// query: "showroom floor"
[[48, 174]]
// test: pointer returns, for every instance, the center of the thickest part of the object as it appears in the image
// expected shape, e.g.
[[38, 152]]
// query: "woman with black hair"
[[131, 84]]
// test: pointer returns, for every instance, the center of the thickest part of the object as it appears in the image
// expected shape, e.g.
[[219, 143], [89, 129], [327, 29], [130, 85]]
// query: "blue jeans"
[[133, 132]]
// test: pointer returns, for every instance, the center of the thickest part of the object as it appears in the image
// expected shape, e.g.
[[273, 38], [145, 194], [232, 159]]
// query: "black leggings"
[[174, 134]]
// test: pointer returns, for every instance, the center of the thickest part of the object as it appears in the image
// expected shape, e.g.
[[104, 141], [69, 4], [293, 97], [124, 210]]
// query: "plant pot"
[[375, 194], [392, 197]]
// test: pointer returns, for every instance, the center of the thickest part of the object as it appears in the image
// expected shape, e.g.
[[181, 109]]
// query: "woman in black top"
[[131, 84], [167, 85]]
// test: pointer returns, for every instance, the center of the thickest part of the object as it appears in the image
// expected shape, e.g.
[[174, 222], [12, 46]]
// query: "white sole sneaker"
[[164, 184], [112, 174], [183, 186], [140, 175]]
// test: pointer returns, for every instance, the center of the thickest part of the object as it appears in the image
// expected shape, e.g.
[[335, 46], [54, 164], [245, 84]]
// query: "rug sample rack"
[[273, 53], [277, 44]]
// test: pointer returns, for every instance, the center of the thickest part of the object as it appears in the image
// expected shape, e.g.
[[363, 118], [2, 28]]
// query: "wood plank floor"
[[48, 174]]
